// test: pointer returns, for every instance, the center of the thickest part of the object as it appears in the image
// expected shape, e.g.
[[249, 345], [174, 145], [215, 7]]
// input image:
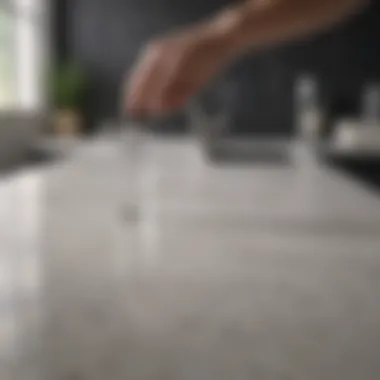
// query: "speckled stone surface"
[[230, 272]]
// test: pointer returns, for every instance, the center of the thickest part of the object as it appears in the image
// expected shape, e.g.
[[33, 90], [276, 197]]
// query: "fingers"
[[176, 93], [153, 82], [164, 79], [143, 81], [158, 90]]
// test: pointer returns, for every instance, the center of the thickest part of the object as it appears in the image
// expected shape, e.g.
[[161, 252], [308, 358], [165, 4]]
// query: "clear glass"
[[210, 114], [131, 140]]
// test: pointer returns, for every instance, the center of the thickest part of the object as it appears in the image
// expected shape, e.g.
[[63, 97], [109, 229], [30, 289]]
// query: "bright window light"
[[21, 54]]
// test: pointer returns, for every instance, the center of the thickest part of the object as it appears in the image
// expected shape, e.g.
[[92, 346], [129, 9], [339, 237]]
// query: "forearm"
[[259, 23]]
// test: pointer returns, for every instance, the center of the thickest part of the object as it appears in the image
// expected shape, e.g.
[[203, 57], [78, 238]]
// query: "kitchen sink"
[[250, 151]]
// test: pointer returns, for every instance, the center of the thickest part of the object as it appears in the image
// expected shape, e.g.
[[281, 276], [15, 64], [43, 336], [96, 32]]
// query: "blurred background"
[[236, 239], [77, 55]]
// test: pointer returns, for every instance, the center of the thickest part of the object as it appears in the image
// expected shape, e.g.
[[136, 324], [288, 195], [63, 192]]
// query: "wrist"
[[228, 28]]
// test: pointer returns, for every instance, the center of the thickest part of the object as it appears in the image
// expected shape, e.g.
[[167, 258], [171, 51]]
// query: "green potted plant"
[[68, 95]]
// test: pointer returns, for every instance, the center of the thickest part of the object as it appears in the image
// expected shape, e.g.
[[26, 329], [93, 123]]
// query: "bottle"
[[308, 121], [307, 109]]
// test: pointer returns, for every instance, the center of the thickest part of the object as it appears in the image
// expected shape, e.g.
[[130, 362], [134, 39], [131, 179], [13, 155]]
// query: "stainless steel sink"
[[249, 150]]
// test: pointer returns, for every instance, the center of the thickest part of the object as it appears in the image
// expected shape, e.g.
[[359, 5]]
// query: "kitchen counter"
[[223, 272]]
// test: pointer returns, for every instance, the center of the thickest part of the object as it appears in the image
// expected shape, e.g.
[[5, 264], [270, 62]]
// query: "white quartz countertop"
[[172, 175], [271, 272]]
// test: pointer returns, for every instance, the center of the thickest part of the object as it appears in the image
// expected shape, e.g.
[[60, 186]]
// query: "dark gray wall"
[[105, 35]]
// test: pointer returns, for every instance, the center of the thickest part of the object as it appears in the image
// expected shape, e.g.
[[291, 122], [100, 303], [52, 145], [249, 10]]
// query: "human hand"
[[174, 68]]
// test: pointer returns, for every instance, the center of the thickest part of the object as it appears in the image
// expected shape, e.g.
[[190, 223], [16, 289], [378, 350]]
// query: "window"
[[21, 54], [7, 64]]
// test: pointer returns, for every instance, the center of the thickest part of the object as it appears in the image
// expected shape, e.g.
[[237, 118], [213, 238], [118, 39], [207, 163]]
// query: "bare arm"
[[258, 23], [175, 67]]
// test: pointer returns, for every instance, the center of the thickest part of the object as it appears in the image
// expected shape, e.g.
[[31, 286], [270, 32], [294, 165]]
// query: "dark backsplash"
[[106, 35]]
